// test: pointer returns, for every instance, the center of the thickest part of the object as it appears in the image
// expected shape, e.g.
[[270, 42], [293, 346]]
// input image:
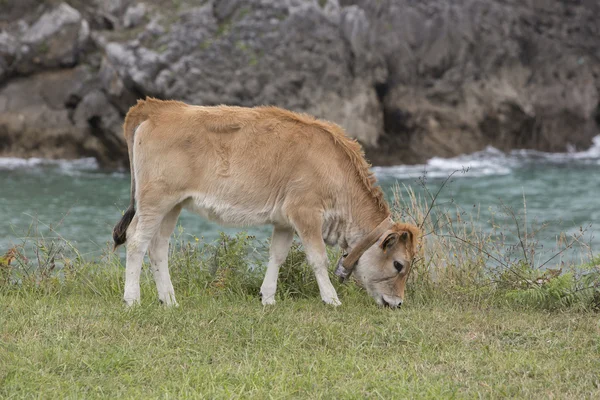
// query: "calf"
[[252, 166]]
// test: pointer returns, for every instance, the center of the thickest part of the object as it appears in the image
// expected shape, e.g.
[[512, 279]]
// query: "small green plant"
[[223, 28], [234, 266], [43, 48], [296, 277], [162, 48], [205, 44], [243, 12]]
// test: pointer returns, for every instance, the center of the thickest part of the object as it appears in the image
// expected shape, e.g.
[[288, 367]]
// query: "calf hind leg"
[[158, 253], [142, 229]]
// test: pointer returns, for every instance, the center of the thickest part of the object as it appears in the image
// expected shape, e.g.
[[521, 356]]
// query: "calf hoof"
[[168, 303], [332, 301], [131, 302], [267, 300]]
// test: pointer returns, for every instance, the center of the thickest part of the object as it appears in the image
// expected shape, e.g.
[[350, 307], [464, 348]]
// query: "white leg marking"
[[310, 229], [318, 260], [280, 247], [137, 244], [159, 254]]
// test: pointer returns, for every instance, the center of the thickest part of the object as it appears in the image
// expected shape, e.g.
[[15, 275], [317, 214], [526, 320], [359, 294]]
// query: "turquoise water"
[[81, 203]]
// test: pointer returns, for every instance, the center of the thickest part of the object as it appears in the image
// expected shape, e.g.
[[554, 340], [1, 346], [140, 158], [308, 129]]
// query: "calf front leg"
[[309, 227], [280, 247]]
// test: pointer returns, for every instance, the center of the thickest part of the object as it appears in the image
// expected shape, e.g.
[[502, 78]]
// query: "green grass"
[[64, 333], [469, 327], [80, 344]]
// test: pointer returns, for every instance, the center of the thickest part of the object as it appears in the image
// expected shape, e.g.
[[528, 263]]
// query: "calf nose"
[[397, 305], [391, 304]]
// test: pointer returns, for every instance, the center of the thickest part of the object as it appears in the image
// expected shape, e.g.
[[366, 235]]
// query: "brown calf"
[[253, 166]]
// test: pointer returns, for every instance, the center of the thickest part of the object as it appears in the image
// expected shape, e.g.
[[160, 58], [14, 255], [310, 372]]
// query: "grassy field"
[[66, 334], [82, 344], [483, 317]]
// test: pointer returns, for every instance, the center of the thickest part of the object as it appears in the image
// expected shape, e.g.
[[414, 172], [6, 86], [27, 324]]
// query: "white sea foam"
[[67, 166], [592, 154], [488, 162]]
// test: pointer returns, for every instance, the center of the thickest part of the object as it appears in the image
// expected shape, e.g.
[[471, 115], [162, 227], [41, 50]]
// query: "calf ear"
[[389, 241], [407, 238]]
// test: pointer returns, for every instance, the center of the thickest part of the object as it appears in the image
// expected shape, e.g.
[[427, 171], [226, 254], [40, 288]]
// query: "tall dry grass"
[[498, 259]]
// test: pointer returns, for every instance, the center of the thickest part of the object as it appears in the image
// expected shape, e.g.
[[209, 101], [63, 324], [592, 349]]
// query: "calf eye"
[[398, 266]]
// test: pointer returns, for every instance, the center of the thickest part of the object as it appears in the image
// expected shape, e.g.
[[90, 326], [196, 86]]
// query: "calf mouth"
[[386, 304]]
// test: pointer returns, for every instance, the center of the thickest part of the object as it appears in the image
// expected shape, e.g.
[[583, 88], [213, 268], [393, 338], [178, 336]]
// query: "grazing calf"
[[253, 166]]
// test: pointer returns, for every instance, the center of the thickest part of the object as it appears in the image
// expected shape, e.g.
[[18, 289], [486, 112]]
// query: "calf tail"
[[136, 115]]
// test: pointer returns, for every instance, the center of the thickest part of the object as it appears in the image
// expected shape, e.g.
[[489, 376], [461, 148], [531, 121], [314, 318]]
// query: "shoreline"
[[487, 162]]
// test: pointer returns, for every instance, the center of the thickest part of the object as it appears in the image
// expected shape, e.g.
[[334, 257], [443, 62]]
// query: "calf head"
[[384, 267]]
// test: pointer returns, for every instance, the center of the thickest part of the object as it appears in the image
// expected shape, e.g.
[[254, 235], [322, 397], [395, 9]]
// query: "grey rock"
[[114, 87], [112, 7], [155, 28], [300, 63], [462, 76], [96, 116], [410, 79], [9, 53], [59, 114], [84, 34], [134, 15], [52, 23], [52, 40], [224, 9]]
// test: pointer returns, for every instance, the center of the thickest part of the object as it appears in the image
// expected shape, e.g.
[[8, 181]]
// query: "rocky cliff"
[[410, 79]]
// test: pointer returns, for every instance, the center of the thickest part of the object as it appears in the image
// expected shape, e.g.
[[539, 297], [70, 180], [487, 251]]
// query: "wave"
[[592, 154], [489, 162], [66, 166]]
